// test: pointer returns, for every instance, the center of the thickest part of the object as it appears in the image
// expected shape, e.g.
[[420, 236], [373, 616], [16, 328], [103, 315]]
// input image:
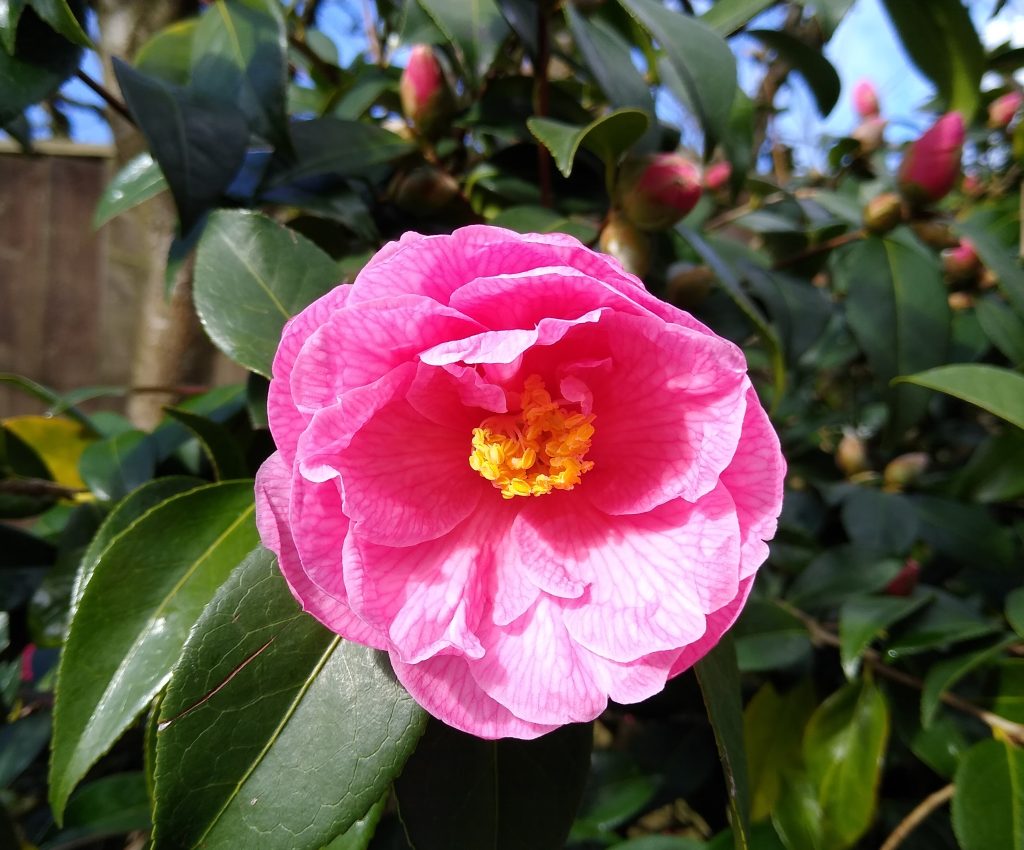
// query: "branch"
[[821, 248], [107, 96], [39, 488], [928, 805]]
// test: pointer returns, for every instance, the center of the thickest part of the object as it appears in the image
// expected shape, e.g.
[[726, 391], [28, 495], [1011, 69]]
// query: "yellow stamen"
[[535, 451]]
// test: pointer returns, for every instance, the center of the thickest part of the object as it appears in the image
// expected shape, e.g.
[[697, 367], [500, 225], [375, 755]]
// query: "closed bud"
[[882, 213], [687, 285], [657, 190], [1003, 108], [627, 244], [961, 264], [906, 579], [865, 99], [717, 176], [934, 234], [851, 454], [931, 166], [960, 301], [904, 470], [427, 100], [424, 190], [871, 134]]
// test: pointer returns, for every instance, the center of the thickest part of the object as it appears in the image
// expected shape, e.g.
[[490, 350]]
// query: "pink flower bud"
[[657, 190], [865, 99], [27, 657], [1002, 109], [424, 91], [906, 579], [870, 133], [717, 176], [931, 166], [961, 263]]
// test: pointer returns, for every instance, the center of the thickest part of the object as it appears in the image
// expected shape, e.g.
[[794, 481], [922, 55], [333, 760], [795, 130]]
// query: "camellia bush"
[[608, 474]]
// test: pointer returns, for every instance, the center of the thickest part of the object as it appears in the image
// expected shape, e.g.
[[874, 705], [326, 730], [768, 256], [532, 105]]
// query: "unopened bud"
[[972, 185], [657, 190], [882, 213], [688, 285], [906, 579], [626, 244], [865, 99], [851, 454], [934, 234], [1002, 109], [960, 301], [424, 190], [931, 166], [961, 264], [904, 470], [427, 101], [717, 176], [870, 133]]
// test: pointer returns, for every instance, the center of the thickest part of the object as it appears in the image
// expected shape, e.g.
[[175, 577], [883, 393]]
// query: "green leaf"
[[609, 136], [942, 42], [609, 60], [360, 834], [55, 400], [885, 522], [40, 63], [617, 790], [125, 513], [114, 467], [251, 276], [157, 576], [773, 727], [10, 14], [1003, 327], [999, 391], [139, 180], [309, 756], [983, 229], [475, 28], [461, 791], [727, 16], [798, 817], [844, 747], [168, 54], [222, 450], [660, 842], [20, 743], [198, 145], [769, 638], [896, 307], [703, 63], [58, 14], [719, 679], [946, 673], [988, 805], [966, 533], [107, 807], [945, 621], [839, 572], [864, 618], [995, 472], [1015, 610], [239, 57], [811, 64]]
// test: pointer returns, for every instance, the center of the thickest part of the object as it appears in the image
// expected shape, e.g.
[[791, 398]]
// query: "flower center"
[[535, 451]]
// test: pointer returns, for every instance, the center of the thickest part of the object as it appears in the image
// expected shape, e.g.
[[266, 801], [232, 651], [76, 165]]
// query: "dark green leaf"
[[114, 467], [999, 391], [10, 14], [608, 136], [157, 575], [988, 806], [58, 14], [608, 57], [1015, 610], [719, 679], [727, 16], [475, 28], [660, 842], [251, 276], [769, 638], [864, 618], [168, 54], [943, 622], [798, 309], [811, 64], [844, 747], [798, 816], [946, 673], [966, 533], [461, 791], [309, 755], [198, 145], [995, 472], [1003, 327], [840, 572], [222, 450], [703, 63], [20, 743], [107, 807], [139, 180], [885, 522], [360, 834], [617, 790]]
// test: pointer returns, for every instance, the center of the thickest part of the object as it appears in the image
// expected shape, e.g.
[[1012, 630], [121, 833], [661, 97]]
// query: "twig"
[[540, 97], [39, 487], [823, 636], [821, 248], [332, 73], [928, 805], [372, 37], [107, 96]]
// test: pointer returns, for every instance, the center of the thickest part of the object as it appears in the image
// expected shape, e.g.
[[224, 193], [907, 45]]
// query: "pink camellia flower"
[[532, 483], [1003, 108], [657, 190], [865, 99], [717, 176], [931, 167], [424, 91]]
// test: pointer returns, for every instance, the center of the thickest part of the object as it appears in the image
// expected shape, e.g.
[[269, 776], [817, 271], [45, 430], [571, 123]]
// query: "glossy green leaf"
[[773, 728], [310, 754], [940, 39], [983, 229], [198, 145], [995, 472], [247, 260], [896, 307], [703, 63], [55, 400], [997, 390], [113, 805], [609, 59], [864, 618], [221, 448], [945, 621], [113, 467], [719, 678], [943, 675], [20, 743], [608, 136], [125, 513], [157, 576], [617, 790], [966, 533], [1015, 610], [769, 638], [1003, 327], [239, 57], [41, 61], [819, 74], [988, 806], [885, 522], [139, 180], [360, 834], [58, 14], [660, 842], [461, 791], [10, 14], [840, 572], [168, 53], [844, 746], [727, 16], [798, 817], [475, 28]]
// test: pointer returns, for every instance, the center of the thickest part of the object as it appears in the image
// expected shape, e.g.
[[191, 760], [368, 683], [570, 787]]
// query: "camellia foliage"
[[160, 683]]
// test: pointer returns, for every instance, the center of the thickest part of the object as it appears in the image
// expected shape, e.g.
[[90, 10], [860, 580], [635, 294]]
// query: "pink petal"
[[445, 688], [718, 624], [632, 681], [456, 396]]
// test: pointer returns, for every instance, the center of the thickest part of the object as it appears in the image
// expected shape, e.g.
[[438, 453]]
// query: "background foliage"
[[156, 676]]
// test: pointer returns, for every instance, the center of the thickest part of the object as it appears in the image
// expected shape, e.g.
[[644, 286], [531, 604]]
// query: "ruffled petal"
[[718, 624]]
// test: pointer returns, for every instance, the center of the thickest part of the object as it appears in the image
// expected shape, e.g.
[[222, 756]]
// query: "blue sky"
[[864, 46]]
